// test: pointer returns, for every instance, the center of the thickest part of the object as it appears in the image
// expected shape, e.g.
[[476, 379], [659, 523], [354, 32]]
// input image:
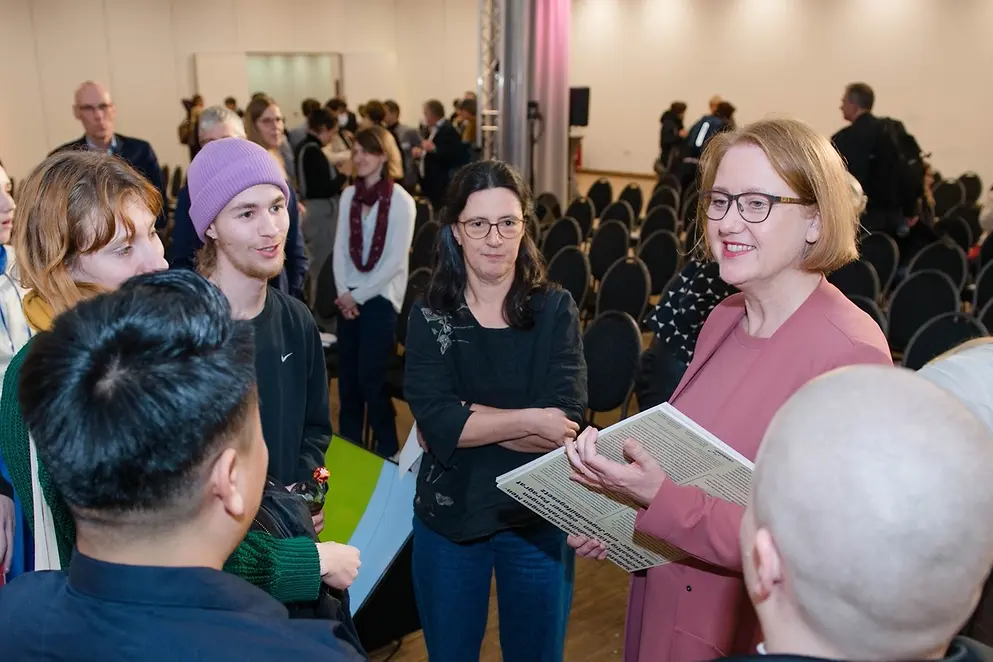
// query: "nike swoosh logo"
[[283, 359]]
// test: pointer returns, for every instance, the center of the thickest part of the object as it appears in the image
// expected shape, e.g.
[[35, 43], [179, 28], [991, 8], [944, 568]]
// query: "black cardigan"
[[451, 359]]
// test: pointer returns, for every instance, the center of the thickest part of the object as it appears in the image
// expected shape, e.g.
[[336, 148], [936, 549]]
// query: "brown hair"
[[253, 112], [435, 108], [70, 206], [810, 165], [375, 111], [377, 140]]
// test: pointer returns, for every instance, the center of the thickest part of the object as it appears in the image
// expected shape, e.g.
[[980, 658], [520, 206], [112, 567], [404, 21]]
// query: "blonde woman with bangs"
[[84, 224], [777, 213]]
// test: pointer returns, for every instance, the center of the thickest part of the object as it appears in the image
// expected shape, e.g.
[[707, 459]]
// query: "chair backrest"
[[659, 218], [880, 250], [943, 256], [422, 250], [660, 253], [939, 335], [947, 195], [424, 214], [612, 347], [601, 193], [564, 232], [609, 244], [551, 202], [986, 251], [985, 315], [984, 287], [417, 285], [582, 210], [957, 229], [688, 213], [570, 268], [672, 181], [971, 215], [177, 182], [972, 186], [633, 196], [922, 296], [325, 293], [663, 197], [625, 287], [872, 309], [619, 211], [856, 279]]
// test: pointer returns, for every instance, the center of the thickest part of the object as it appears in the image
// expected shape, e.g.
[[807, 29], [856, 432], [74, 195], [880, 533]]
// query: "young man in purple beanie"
[[238, 199]]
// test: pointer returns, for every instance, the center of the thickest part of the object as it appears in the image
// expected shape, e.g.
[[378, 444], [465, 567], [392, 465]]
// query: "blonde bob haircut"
[[377, 140], [811, 167], [69, 206]]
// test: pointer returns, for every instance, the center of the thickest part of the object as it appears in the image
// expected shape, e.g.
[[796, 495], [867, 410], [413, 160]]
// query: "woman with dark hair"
[[495, 377], [371, 246]]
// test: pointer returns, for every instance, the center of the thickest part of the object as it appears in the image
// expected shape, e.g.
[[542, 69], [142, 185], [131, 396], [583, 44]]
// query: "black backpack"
[[909, 162]]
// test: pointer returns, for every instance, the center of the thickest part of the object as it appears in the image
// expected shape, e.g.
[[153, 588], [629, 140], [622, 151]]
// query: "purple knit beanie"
[[223, 169]]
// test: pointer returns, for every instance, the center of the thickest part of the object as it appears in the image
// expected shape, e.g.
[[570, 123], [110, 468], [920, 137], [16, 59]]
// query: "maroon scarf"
[[365, 196]]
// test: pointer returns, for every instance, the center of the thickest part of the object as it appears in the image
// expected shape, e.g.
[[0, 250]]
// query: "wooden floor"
[[596, 626]]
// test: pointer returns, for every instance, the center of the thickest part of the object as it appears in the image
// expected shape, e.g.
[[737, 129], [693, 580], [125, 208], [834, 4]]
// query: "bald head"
[[94, 108], [966, 373], [875, 487]]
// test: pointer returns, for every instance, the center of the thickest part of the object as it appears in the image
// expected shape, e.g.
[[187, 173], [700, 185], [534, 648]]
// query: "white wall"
[[928, 61], [144, 51]]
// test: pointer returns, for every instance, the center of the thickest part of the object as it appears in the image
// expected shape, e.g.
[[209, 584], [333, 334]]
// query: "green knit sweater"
[[288, 570]]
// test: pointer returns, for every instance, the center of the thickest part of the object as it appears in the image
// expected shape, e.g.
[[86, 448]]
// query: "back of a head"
[[375, 111], [336, 105], [811, 166], [321, 119], [213, 116], [725, 110], [308, 106], [436, 108], [966, 372], [70, 205], [874, 485], [861, 95], [131, 393]]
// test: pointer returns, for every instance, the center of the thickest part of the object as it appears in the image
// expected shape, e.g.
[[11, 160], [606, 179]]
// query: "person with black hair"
[[672, 132], [721, 119], [298, 133], [143, 408], [320, 190], [495, 377], [441, 153]]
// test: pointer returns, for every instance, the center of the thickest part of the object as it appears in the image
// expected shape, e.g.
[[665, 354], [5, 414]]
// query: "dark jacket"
[[700, 134], [186, 243], [669, 137], [450, 154], [140, 155], [871, 157]]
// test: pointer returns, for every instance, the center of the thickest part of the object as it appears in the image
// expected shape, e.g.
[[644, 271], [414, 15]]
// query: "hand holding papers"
[[639, 480], [684, 452]]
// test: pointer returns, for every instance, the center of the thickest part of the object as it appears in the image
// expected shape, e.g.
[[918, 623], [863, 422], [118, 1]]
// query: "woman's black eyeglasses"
[[753, 206], [508, 228]]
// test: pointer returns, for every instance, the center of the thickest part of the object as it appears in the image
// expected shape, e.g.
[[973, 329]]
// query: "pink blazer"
[[697, 609]]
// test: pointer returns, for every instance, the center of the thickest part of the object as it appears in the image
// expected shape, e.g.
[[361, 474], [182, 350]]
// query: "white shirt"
[[388, 278]]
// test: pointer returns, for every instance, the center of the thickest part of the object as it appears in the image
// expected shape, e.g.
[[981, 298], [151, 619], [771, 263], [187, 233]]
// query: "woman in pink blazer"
[[777, 214]]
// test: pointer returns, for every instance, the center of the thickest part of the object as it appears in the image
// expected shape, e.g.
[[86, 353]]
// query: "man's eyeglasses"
[[753, 206], [90, 110], [508, 228]]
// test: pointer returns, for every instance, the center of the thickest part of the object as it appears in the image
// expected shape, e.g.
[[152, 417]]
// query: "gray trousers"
[[318, 226]]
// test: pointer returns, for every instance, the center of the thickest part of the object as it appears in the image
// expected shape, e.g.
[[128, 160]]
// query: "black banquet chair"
[[660, 253], [939, 335], [581, 209], [633, 196], [570, 268], [921, 297], [856, 279], [422, 248], [619, 211], [564, 232], [947, 196], [664, 197], [984, 288], [972, 186], [424, 214], [551, 202], [659, 218], [881, 251], [943, 256], [872, 309], [602, 194], [610, 243], [612, 347], [626, 287], [957, 229]]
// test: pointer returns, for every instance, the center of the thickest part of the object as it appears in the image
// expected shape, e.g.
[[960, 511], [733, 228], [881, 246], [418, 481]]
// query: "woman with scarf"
[[85, 223], [372, 241]]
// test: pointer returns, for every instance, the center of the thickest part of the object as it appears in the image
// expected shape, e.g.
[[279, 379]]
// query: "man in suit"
[[862, 540], [441, 153], [95, 110], [407, 139]]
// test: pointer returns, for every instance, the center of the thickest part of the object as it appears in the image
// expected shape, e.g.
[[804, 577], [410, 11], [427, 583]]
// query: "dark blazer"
[[142, 158], [186, 243], [872, 159], [439, 165]]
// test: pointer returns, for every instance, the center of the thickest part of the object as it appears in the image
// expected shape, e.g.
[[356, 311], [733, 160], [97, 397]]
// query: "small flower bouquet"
[[314, 490]]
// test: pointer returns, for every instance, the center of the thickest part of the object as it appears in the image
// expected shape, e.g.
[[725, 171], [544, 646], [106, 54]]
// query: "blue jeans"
[[365, 345], [534, 573]]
